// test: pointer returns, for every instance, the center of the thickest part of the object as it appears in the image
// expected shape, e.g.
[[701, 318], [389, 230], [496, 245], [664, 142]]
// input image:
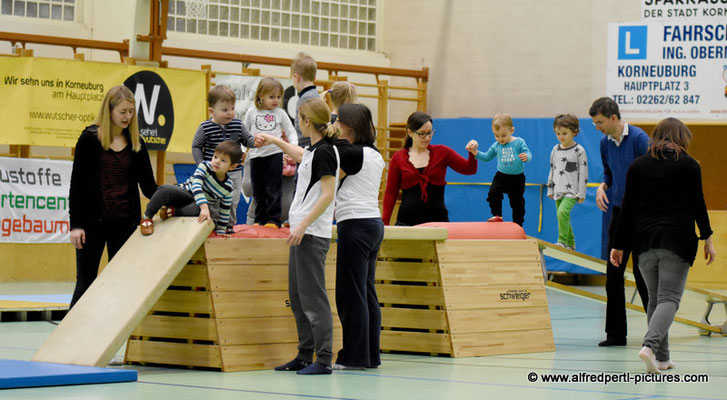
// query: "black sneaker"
[[612, 342], [294, 365]]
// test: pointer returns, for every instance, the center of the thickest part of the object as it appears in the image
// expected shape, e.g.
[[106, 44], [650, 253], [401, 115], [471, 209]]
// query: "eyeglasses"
[[424, 134]]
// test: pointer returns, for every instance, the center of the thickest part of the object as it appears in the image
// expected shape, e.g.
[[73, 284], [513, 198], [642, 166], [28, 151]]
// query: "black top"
[[114, 177], [414, 211], [662, 200], [85, 199]]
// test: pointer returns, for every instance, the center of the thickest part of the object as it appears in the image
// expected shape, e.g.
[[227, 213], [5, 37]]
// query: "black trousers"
[[172, 195], [266, 174], [616, 304], [358, 306], [108, 233], [514, 187]]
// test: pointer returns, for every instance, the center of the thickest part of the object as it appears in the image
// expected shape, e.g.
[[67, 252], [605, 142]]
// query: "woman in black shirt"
[[662, 201]]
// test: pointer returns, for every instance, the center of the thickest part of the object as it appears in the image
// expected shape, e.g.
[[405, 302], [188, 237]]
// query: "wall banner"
[[34, 200], [48, 102], [665, 10], [245, 86], [657, 70]]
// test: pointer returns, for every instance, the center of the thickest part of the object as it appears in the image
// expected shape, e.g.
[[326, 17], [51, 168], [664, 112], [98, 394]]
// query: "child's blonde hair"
[[113, 98], [305, 66], [220, 93], [318, 113], [342, 92], [267, 86], [569, 121], [502, 119]]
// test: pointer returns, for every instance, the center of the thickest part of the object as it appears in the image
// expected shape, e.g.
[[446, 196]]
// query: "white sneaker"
[[340, 367], [663, 365], [647, 356]]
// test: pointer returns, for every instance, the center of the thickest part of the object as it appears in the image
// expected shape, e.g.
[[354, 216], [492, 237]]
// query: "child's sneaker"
[[146, 226], [496, 218], [166, 212]]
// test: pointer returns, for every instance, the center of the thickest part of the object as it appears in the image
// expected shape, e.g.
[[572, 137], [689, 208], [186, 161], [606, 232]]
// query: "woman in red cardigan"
[[419, 170]]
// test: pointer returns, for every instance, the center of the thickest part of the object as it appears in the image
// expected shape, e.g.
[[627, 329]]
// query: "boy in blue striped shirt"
[[190, 198]]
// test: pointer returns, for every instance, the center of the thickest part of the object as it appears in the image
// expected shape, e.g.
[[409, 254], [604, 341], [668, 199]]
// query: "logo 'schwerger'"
[[154, 108], [516, 294]]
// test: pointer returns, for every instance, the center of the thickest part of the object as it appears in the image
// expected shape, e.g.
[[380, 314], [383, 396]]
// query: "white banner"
[[245, 86], [34, 200], [666, 10], [657, 70]]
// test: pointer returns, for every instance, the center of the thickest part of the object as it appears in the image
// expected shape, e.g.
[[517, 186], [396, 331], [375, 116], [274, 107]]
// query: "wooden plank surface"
[[414, 233], [97, 326], [252, 251], [162, 326], [407, 271], [192, 275], [240, 277], [422, 342], [265, 303], [240, 331], [496, 320], [412, 295], [487, 344], [193, 355], [407, 249], [487, 251], [483, 297], [413, 318], [254, 357], [491, 273], [184, 301]]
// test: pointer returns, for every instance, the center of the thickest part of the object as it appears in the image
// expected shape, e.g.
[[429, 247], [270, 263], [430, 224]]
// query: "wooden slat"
[[407, 271], [504, 319], [412, 295], [192, 275], [414, 233], [199, 256], [240, 331], [487, 251], [240, 277], [252, 251], [268, 303], [486, 344], [492, 273], [184, 301], [263, 356], [416, 341], [162, 326], [413, 318], [483, 297], [413, 249], [193, 355]]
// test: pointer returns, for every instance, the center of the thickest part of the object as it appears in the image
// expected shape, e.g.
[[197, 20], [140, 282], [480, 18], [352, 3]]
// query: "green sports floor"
[[577, 328]]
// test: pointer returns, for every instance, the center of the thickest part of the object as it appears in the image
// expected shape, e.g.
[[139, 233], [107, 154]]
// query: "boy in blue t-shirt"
[[512, 153]]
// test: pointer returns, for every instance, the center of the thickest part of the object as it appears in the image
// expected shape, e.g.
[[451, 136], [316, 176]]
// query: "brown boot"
[[146, 226]]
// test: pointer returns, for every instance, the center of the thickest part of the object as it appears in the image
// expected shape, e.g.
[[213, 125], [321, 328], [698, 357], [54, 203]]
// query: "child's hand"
[[288, 159], [263, 139], [296, 235], [472, 147], [523, 157], [550, 196], [204, 213], [581, 201]]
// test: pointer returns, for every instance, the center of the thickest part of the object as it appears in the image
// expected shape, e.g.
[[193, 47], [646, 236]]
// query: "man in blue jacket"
[[620, 146]]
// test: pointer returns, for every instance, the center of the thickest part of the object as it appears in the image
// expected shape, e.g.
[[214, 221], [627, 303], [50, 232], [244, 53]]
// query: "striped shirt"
[[209, 134], [115, 180], [204, 185]]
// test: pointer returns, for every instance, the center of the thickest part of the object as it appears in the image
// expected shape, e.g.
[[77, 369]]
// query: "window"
[[345, 24], [59, 10]]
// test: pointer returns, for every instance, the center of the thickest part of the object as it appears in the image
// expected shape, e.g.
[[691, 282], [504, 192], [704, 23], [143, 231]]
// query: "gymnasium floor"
[[577, 327]]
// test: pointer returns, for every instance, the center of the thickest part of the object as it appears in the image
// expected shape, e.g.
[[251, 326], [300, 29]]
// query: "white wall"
[[528, 58]]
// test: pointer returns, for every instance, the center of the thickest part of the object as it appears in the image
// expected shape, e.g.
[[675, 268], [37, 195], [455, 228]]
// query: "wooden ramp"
[[97, 326], [596, 264]]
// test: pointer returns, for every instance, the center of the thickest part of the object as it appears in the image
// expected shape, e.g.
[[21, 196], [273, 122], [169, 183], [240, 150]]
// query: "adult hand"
[[550, 196], [601, 198], [709, 252], [288, 159], [523, 157], [472, 146], [296, 235], [78, 237], [263, 139], [581, 201], [616, 257], [204, 213]]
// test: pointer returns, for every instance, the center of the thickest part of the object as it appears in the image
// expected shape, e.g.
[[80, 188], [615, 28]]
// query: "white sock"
[[647, 356], [668, 364]]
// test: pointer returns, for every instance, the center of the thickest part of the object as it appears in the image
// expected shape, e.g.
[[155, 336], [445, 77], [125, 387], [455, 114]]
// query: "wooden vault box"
[[228, 308]]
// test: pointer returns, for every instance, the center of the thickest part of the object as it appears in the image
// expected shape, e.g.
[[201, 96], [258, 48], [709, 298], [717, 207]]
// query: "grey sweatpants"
[[309, 300], [665, 275]]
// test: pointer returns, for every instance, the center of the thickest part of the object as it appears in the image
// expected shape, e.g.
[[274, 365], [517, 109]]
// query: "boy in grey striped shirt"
[[192, 197]]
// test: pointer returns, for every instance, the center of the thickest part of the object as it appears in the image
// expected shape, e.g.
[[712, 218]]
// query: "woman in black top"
[[109, 165], [662, 201]]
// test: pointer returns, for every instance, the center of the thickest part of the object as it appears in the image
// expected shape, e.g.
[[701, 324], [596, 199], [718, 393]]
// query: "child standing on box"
[[191, 198], [311, 217], [568, 175], [512, 153], [220, 127], [266, 163]]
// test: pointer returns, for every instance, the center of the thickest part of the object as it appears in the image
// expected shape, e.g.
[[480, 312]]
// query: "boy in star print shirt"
[[512, 153], [568, 175]]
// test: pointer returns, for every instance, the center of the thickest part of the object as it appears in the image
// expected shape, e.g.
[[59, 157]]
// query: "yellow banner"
[[48, 102]]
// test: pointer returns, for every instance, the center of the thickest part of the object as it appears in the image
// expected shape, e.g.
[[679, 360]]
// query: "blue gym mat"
[[23, 374]]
